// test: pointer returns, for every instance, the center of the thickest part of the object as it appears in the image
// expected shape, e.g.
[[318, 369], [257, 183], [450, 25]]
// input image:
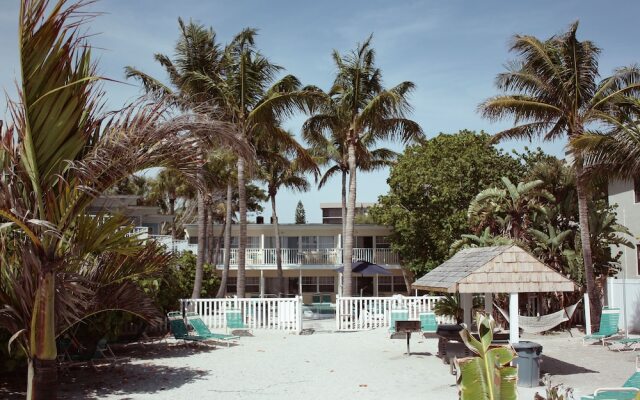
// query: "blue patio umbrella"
[[365, 268]]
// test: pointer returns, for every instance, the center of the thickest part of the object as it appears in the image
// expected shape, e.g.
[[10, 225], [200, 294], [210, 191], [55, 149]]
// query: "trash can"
[[528, 363]]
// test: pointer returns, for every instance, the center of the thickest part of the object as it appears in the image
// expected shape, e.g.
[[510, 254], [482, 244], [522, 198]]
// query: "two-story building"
[[131, 207]]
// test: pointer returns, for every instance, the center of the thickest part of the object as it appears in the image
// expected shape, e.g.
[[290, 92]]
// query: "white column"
[[262, 241], [514, 326], [300, 281], [340, 284], [587, 314], [299, 313], [467, 303], [261, 283], [375, 286], [488, 303]]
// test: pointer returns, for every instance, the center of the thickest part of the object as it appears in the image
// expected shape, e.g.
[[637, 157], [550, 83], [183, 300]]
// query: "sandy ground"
[[323, 365]]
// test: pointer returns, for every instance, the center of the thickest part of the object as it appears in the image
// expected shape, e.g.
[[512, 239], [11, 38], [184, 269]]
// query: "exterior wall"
[[628, 289], [622, 194]]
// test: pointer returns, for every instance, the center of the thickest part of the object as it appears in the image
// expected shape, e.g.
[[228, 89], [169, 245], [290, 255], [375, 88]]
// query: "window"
[[252, 284], [253, 242], [636, 189], [309, 284], [231, 285], [289, 242], [398, 284], [382, 242], [385, 284], [326, 242], [309, 243], [325, 284]]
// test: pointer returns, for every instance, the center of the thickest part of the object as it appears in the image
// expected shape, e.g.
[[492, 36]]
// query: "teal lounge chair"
[[203, 330], [608, 326], [628, 391], [180, 331], [623, 344], [235, 321], [428, 324], [397, 315]]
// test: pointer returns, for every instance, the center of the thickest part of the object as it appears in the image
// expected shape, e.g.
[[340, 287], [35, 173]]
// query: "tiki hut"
[[498, 269]]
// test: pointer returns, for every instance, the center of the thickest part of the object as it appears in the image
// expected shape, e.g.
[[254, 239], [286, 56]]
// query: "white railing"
[[276, 314], [142, 232], [361, 313]]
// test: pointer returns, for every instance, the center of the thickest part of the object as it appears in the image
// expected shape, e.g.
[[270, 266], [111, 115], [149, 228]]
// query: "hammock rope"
[[542, 323]]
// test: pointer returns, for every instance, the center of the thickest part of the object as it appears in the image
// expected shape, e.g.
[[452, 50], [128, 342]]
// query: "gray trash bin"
[[528, 362]]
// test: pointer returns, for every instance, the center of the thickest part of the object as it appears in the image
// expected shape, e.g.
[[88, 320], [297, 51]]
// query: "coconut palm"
[[510, 211], [166, 188], [59, 264], [552, 92], [374, 114], [283, 164]]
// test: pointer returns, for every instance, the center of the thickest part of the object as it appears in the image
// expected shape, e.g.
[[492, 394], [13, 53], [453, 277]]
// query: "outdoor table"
[[407, 327]]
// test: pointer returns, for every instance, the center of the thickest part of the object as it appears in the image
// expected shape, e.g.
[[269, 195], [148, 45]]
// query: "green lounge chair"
[[628, 391], [235, 321], [428, 324], [203, 330], [608, 326], [180, 331], [326, 298], [624, 344], [397, 315]]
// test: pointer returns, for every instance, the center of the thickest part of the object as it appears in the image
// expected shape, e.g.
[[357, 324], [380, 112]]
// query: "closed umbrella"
[[366, 268]]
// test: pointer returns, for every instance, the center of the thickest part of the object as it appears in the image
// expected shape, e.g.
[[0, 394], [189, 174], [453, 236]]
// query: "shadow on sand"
[[554, 366]]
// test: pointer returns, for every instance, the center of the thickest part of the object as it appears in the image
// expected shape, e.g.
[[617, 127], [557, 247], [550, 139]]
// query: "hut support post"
[[467, 304], [514, 325], [587, 314], [488, 303]]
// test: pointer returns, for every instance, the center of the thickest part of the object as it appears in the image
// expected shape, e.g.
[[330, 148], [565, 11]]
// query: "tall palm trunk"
[[276, 228], [208, 255], [585, 238], [42, 377], [202, 232], [344, 202], [227, 241], [215, 257], [172, 211], [242, 245], [347, 254]]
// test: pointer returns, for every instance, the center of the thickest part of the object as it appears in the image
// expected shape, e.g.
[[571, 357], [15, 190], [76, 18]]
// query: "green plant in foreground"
[[487, 376], [554, 392]]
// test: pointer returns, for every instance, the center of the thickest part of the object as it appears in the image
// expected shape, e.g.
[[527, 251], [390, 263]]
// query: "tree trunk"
[[344, 202], [242, 245], [202, 231], [227, 242], [276, 229], [347, 253], [172, 211], [42, 377], [208, 255], [215, 257], [585, 238]]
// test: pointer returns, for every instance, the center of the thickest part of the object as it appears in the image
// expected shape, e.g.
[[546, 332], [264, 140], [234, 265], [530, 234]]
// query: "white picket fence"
[[361, 313], [269, 313]]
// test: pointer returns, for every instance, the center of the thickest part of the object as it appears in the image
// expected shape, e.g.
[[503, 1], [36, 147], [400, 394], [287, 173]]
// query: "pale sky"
[[452, 51]]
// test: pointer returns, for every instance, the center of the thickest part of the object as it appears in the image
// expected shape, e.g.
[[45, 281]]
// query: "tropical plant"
[[485, 239], [374, 113], [301, 215], [550, 245], [166, 188], [488, 376], [552, 91], [283, 164], [510, 211], [59, 264]]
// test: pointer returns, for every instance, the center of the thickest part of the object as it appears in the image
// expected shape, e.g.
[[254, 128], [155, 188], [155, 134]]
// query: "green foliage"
[[431, 187], [301, 216], [554, 392], [487, 376]]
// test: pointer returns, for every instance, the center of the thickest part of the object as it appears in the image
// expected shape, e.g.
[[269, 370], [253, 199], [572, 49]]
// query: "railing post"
[[338, 308], [299, 313]]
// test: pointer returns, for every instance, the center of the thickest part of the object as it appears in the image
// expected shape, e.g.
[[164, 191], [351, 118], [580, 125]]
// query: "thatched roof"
[[498, 269]]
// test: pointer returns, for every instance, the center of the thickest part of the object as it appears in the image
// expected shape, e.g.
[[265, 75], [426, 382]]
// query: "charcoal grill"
[[408, 327]]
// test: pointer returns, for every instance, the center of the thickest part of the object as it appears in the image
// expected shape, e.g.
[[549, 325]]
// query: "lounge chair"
[[623, 344], [428, 324], [235, 321], [180, 331], [104, 353], [628, 391], [397, 315], [203, 330], [608, 326]]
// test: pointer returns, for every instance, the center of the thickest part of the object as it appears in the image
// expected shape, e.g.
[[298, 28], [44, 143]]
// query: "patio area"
[[323, 365]]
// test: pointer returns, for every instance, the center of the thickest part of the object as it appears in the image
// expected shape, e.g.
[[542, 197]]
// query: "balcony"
[[294, 257]]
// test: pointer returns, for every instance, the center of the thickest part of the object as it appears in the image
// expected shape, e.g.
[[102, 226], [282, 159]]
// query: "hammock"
[[542, 323]]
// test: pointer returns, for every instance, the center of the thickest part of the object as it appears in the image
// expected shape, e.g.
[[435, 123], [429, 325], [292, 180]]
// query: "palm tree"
[[284, 164], [166, 188], [510, 211], [374, 113], [61, 265], [552, 91]]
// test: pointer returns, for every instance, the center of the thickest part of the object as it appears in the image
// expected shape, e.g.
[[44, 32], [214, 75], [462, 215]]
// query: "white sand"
[[324, 365]]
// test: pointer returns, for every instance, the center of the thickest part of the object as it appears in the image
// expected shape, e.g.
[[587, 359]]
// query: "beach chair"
[[628, 391], [203, 330], [326, 299], [608, 326], [623, 344], [103, 353], [180, 331], [397, 315], [235, 321], [428, 324]]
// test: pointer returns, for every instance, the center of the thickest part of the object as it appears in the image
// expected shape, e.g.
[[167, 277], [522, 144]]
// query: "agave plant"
[[60, 265], [487, 376]]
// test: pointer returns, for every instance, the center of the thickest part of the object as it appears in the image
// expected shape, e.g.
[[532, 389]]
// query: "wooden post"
[[514, 326], [488, 303], [587, 314], [467, 304]]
